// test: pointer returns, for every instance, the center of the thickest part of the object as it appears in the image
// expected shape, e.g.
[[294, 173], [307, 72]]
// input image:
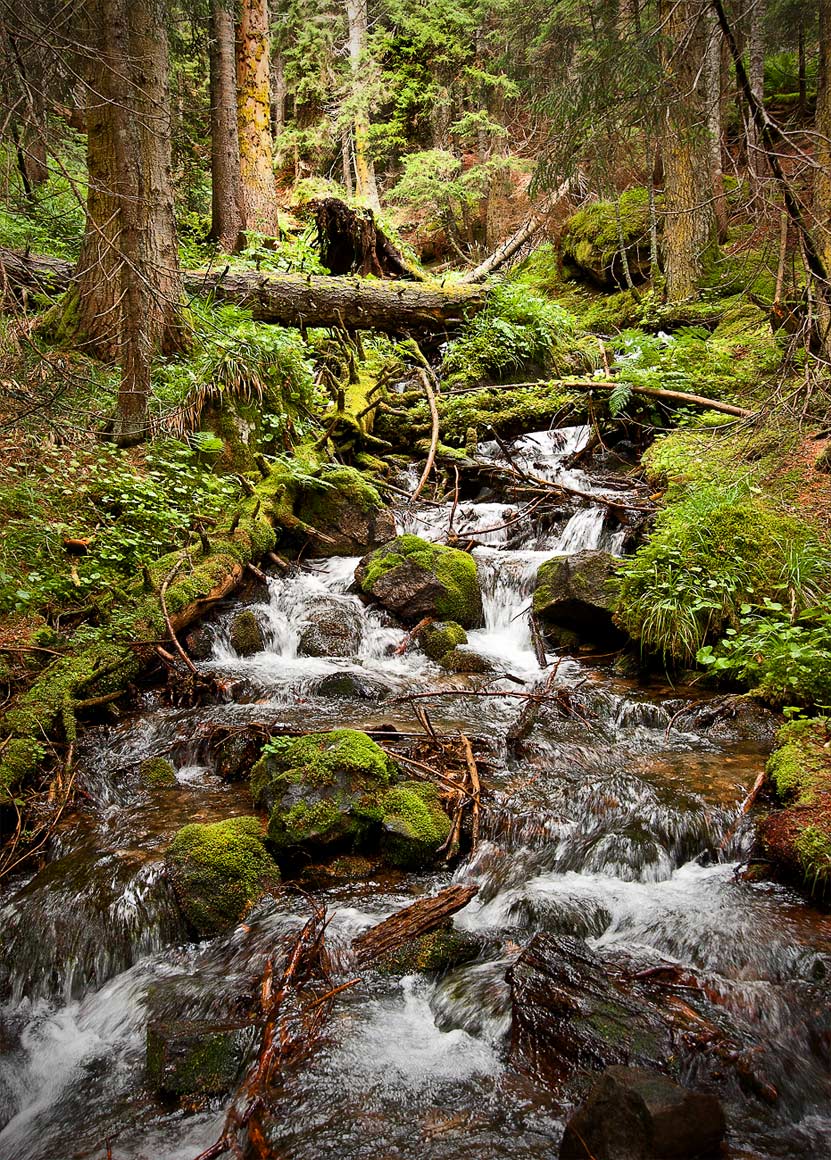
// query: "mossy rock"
[[797, 839], [440, 950], [465, 660], [590, 242], [346, 509], [414, 824], [322, 791], [438, 638], [334, 630], [218, 870], [246, 633], [414, 578], [579, 593], [157, 773], [194, 1060]]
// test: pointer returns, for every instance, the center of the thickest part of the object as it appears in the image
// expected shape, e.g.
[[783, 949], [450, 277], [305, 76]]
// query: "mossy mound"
[[322, 790], [196, 1060], [157, 773], [414, 824], [590, 245], [578, 594], [797, 839], [440, 950], [218, 870], [414, 578], [346, 509], [246, 634], [440, 637]]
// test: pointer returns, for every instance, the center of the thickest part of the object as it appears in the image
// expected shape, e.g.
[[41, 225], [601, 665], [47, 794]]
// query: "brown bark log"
[[412, 922], [822, 174], [291, 299], [227, 211]]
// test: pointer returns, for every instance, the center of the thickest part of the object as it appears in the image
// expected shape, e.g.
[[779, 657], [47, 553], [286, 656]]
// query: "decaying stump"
[[351, 242]]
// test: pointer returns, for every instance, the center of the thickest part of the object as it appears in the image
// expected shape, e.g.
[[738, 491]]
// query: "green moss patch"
[[218, 870], [440, 637], [415, 578], [415, 824]]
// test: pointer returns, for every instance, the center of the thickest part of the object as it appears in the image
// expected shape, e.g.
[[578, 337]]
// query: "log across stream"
[[613, 818]]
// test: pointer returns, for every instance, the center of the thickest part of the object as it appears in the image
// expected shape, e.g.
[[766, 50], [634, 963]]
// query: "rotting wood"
[[290, 299], [420, 918], [434, 434]]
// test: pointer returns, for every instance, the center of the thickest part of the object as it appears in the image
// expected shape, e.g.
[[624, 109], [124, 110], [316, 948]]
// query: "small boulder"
[[193, 1060], [350, 685], [414, 578], [414, 824], [334, 631], [322, 790], [347, 509], [236, 753], [579, 593], [200, 643], [246, 634], [218, 870], [635, 1114], [590, 241], [440, 950], [440, 637], [465, 660], [157, 773]]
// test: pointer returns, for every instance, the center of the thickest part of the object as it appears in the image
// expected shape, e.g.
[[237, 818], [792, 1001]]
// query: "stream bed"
[[616, 819]]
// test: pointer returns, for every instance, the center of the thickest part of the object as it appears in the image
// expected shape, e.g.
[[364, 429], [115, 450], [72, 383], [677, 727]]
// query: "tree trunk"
[[689, 226], [254, 118], [290, 299], [712, 85], [756, 158], [126, 303], [227, 213], [822, 174], [365, 186]]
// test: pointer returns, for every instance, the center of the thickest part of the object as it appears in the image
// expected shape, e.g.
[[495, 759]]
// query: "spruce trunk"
[[254, 117], [227, 211]]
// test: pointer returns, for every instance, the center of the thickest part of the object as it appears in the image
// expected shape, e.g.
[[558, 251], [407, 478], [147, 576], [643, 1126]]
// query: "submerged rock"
[[218, 870], [465, 660], [568, 1017], [349, 512], [578, 593], [635, 1114], [440, 950], [246, 634], [194, 1059], [334, 631], [350, 685], [414, 578]]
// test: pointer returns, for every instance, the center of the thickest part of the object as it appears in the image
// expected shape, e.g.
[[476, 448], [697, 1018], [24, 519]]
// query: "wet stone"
[[235, 754], [636, 1114], [352, 686], [188, 1059], [334, 631], [199, 643], [246, 634], [465, 660], [578, 593]]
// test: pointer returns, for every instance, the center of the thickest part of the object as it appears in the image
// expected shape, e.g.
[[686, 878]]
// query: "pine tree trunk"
[[227, 220], [689, 224], [254, 117], [822, 173], [756, 162], [714, 121], [126, 302], [365, 185]]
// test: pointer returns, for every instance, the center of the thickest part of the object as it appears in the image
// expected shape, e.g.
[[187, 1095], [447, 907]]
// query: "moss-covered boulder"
[[440, 950], [218, 870], [579, 593], [797, 838], [194, 1060], [344, 506], [157, 773], [414, 578], [334, 630], [590, 243], [322, 791], [440, 637], [246, 634], [414, 824], [465, 660]]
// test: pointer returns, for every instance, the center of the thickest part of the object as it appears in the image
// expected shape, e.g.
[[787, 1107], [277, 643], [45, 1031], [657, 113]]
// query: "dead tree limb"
[[434, 435], [516, 241], [420, 918]]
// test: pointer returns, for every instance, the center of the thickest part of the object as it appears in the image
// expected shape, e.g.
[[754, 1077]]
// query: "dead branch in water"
[[420, 918]]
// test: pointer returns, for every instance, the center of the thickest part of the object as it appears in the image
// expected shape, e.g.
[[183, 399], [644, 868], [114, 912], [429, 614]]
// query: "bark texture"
[[227, 210], [822, 174], [126, 303], [254, 117], [365, 185], [690, 226]]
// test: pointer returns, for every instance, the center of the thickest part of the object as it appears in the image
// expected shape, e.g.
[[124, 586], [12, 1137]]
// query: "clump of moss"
[[246, 634], [218, 870], [415, 824], [415, 578], [590, 242], [800, 766], [157, 773], [440, 637]]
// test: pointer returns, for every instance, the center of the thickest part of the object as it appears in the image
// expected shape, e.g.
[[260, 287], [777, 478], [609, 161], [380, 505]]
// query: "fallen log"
[[413, 921], [286, 299], [512, 245]]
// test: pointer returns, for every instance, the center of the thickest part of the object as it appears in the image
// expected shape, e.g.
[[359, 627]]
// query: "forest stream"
[[616, 818]]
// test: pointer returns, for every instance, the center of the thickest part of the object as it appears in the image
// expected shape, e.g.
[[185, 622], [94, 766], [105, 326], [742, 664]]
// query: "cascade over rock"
[[414, 578]]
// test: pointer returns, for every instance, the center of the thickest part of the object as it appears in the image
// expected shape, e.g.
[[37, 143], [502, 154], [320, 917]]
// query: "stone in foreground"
[[194, 1060], [414, 578]]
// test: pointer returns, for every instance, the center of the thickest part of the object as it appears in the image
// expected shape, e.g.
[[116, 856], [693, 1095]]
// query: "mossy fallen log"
[[287, 299]]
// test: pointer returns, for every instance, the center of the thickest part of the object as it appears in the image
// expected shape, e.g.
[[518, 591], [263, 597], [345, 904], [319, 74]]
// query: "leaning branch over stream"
[[287, 299]]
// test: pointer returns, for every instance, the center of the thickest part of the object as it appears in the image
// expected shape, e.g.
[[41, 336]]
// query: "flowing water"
[[617, 819]]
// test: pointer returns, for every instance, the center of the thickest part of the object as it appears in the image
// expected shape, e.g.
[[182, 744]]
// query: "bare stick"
[[434, 437]]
